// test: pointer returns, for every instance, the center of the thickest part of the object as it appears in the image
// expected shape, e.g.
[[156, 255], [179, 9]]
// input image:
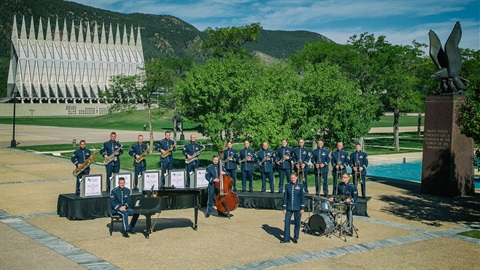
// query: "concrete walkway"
[[405, 230]]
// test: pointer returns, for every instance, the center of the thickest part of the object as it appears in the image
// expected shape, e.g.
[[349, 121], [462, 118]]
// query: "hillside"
[[162, 35]]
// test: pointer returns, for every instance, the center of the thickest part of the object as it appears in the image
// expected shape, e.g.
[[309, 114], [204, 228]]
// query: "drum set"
[[331, 218]]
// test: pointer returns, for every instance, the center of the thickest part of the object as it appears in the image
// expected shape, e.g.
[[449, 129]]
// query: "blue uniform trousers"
[[166, 166], [296, 230], [233, 174], [318, 179], [125, 214], [247, 175], [190, 171], [138, 171], [211, 196], [110, 170], [268, 175], [282, 174], [79, 177], [361, 185]]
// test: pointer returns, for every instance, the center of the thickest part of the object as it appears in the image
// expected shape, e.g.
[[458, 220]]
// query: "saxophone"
[[195, 155], [168, 151], [142, 155], [113, 156], [90, 160]]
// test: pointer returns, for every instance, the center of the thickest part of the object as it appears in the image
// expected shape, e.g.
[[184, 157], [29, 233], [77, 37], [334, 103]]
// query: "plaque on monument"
[[91, 185], [176, 178], [200, 180], [149, 179]]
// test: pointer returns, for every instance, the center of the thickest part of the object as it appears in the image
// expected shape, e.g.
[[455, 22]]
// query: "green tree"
[[223, 41]]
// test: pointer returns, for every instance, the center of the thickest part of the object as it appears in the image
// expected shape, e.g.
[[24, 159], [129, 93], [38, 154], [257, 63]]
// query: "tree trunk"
[[396, 131], [419, 124], [150, 127]]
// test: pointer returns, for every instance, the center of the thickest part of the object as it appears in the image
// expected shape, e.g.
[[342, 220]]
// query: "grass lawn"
[[472, 233], [404, 121]]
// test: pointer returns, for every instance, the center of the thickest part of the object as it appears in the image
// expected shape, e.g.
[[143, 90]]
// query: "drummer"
[[349, 195]]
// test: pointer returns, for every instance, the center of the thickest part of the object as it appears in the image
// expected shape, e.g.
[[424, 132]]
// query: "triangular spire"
[[117, 35], [73, 38], [103, 39], [88, 36], [14, 29], [40, 35], [139, 38], [65, 31], [23, 33], [56, 35], [125, 39], [31, 35], [80, 33], [110, 35], [48, 37], [95, 34], [132, 40]]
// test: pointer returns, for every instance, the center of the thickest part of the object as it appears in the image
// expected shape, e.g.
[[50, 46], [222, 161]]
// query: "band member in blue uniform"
[[121, 203], [339, 163], [135, 151], [247, 161], [293, 204], [301, 157], [111, 151], [266, 159], [350, 191], [213, 176], [284, 167], [78, 158], [359, 167], [191, 151], [320, 159], [230, 157], [164, 145]]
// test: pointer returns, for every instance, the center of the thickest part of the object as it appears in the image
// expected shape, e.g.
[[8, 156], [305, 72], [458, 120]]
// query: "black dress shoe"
[[125, 234], [207, 215], [132, 231], [283, 242], [294, 240]]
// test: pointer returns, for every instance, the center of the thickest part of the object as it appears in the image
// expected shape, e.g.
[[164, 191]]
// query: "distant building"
[[69, 67]]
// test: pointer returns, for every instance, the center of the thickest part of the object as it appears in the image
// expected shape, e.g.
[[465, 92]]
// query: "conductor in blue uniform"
[[266, 159], [339, 163], [191, 151], [247, 161], [230, 157], [293, 204], [284, 167], [359, 164], [320, 159], [121, 203], [78, 158], [135, 151], [111, 147], [166, 162]]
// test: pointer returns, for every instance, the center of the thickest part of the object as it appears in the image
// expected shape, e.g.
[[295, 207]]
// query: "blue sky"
[[400, 21]]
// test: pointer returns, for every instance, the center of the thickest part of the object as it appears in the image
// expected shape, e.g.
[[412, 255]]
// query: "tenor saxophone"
[[90, 160], [113, 156], [142, 155], [168, 151], [195, 155]]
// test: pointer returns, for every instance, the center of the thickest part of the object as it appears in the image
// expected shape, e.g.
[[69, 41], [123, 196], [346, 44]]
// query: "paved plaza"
[[404, 230]]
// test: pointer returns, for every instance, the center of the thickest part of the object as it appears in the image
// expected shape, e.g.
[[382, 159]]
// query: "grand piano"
[[77, 208]]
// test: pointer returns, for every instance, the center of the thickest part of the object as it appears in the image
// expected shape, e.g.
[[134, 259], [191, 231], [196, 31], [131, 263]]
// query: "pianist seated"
[[120, 203]]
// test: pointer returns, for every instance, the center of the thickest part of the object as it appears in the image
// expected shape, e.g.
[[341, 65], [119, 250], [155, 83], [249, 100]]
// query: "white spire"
[[14, 30], [56, 35], [40, 35], [48, 37], [31, 35], [23, 33]]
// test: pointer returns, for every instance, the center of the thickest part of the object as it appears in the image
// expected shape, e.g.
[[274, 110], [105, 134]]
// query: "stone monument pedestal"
[[447, 167]]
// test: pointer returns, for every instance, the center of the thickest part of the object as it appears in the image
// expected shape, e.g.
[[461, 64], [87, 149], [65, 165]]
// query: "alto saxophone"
[[90, 160], [168, 151], [113, 156], [142, 155]]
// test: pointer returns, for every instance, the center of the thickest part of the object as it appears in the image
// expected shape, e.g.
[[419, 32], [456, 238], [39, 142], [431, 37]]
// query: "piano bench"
[[114, 217]]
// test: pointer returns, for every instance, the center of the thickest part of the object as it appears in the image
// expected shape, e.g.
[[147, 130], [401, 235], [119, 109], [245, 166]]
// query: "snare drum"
[[321, 224], [323, 207]]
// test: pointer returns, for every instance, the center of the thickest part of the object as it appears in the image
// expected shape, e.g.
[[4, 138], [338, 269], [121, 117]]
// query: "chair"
[[114, 217]]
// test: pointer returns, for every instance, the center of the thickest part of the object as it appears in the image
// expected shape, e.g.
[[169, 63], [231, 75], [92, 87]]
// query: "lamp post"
[[13, 143]]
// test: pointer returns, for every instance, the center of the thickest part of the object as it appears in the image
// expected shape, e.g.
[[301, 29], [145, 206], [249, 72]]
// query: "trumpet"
[[287, 154], [267, 158], [90, 160], [246, 157], [142, 155], [195, 155], [113, 156]]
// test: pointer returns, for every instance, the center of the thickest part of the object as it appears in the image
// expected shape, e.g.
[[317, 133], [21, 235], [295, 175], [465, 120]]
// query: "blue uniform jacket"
[[321, 156], [212, 172], [294, 197], [247, 165], [190, 149], [362, 159], [342, 156], [230, 153], [80, 155], [120, 197], [137, 149], [267, 166], [281, 152], [109, 147], [348, 190], [301, 153], [164, 145]]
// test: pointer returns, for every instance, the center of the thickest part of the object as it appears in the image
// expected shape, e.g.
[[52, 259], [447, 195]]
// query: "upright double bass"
[[226, 200]]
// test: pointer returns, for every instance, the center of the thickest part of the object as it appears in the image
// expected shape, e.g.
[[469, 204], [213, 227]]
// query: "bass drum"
[[320, 224]]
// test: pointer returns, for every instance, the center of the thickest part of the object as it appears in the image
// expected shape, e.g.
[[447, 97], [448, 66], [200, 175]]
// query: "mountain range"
[[162, 35]]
